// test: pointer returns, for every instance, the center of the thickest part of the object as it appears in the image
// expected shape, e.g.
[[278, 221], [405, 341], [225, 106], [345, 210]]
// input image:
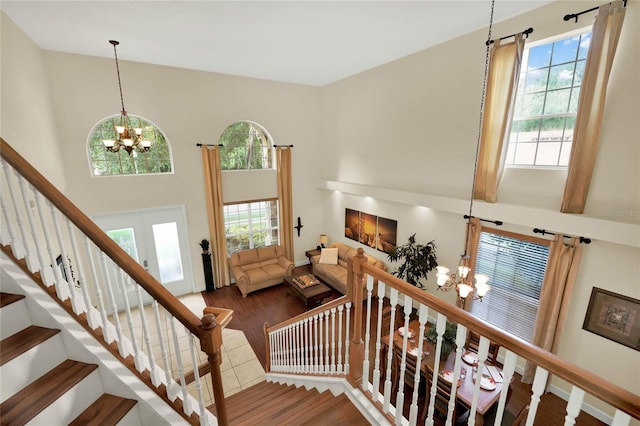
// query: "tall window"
[[250, 225], [106, 163], [245, 146], [516, 267], [547, 101]]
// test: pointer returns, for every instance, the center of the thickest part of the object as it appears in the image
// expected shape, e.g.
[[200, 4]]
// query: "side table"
[[310, 254]]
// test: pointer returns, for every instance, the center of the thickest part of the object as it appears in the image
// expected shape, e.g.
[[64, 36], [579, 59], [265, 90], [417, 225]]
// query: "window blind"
[[516, 269]]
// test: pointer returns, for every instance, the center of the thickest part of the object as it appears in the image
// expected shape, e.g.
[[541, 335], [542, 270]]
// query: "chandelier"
[[466, 286], [126, 136]]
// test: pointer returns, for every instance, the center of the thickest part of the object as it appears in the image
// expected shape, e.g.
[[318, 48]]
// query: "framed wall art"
[[376, 232], [614, 317], [352, 224]]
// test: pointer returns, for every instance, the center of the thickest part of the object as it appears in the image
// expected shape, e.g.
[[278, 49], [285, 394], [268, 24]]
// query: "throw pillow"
[[329, 256]]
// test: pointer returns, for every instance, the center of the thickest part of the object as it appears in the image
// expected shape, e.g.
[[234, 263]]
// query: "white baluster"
[[347, 337], [124, 344], [367, 334], [146, 359], [23, 249], [333, 340], [375, 381], [16, 245], [537, 388], [327, 368], [440, 328], [291, 348], [483, 351], [316, 365], [340, 323], [298, 349], [106, 332], [620, 418], [198, 381], [173, 389], [408, 304], [138, 360], [82, 299], [508, 368], [423, 312], [186, 402], [393, 298], [305, 329], [573, 406], [69, 284], [34, 258], [461, 336], [51, 274]]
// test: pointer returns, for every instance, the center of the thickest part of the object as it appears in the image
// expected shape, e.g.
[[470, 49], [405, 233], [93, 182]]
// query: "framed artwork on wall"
[[387, 234], [368, 226], [352, 224], [614, 317]]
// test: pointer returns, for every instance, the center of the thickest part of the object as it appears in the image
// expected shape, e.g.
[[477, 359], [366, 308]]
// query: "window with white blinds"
[[516, 269]]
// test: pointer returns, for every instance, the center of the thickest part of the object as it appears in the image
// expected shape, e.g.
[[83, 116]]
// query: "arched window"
[[106, 163], [246, 146]]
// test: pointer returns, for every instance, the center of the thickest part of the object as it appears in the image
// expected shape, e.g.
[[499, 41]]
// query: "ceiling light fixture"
[[463, 282], [125, 135]]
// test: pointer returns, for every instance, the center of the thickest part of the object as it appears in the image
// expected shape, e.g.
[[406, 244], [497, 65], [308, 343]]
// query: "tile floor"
[[240, 366]]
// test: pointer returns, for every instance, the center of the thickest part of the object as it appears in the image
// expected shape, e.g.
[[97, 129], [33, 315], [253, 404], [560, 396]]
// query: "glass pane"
[[125, 238], [165, 237], [548, 153], [585, 42], [525, 154], [579, 73], [557, 101], [565, 50], [569, 127], [561, 76], [536, 80], [573, 102], [552, 129], [565, 154], [525, 130], [539, 56], [533, 104]]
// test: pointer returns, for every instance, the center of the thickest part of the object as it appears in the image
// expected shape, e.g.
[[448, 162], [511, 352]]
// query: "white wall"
[[403, 140]]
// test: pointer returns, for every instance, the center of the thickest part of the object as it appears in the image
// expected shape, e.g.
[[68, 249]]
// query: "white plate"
[[409, 335], [470, 358], [447, 375], [487, 382]]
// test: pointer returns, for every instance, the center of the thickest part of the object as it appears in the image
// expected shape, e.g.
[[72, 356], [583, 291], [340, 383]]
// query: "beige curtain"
[[586, 135], [215, 214], [555, 298], [471, 243], [502, 83], [285, 199]]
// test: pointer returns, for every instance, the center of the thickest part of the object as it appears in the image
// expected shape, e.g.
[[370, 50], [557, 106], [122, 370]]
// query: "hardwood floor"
[[274, 305]]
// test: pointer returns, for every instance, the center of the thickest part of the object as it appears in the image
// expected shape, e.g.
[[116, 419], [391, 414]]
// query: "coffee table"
[[311, 296]]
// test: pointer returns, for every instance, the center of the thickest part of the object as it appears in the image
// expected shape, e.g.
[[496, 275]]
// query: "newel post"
[[355, 290], [211, 344]]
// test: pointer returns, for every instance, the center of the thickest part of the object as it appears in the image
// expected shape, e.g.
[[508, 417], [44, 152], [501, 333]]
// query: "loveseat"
[[331, 268], [258, 268]]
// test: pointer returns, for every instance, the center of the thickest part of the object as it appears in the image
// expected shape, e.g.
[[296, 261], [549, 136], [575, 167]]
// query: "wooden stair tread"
[[20, 342], [8, 298], [31, 400], [272, 403], [106, 410]]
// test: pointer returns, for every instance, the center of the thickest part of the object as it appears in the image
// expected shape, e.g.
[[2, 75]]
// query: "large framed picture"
[[614, 316]]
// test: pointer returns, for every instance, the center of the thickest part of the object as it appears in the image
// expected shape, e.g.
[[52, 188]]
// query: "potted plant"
[[448, 338], [417, 260]]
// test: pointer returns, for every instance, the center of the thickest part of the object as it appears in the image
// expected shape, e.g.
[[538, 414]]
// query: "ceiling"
[[305, 42]]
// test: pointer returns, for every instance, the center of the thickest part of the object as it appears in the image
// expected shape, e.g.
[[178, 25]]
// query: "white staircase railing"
[[94, 279]]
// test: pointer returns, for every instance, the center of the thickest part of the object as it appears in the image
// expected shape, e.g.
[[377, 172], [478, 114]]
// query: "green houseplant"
[[448, 338], [417, 260]]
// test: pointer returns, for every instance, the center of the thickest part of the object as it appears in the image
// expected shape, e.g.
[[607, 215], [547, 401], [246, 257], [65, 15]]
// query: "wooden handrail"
[[593, 384], [101, 240]]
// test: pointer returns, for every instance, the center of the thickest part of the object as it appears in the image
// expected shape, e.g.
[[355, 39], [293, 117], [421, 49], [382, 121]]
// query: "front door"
[[158, 240]]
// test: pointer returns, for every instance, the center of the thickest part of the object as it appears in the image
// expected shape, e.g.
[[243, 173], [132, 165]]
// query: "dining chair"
[[473, 343], [441, 402], [409, 371], [386, 319]]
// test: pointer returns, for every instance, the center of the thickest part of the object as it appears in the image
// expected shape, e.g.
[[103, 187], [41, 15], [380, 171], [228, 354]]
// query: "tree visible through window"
[[106, 163], [547, 102], [245, 146], [250, 225]]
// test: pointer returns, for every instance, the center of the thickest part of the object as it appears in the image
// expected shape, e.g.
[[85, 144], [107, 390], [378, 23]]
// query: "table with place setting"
[[490, 385]]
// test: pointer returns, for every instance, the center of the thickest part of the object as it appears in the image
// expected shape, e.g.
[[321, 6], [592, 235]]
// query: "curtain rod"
[[208, 144], [525, 33], [544, 231], [495, 222], [283, 146], [575, 15]]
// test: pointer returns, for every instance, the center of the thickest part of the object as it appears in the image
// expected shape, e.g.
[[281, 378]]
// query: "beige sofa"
[[336, 275], [259, 268]]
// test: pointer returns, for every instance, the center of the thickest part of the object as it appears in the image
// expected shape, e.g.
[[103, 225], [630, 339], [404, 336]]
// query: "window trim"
[[529, 46], [247, 202]]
